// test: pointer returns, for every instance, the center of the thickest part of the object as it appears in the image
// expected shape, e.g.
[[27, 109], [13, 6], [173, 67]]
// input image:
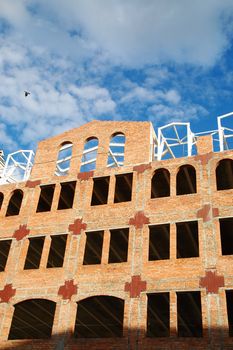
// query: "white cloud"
[[153, 31], [148, 95], [130, 32], [185, 113]]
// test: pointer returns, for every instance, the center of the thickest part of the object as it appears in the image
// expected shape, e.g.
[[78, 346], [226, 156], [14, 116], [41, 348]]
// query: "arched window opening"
[[32, 319], [15, 203], [99, 317], [89, 155], [186, 180], [1, 199], [63, 159], [224, 174], [160, 184], [116, 151]]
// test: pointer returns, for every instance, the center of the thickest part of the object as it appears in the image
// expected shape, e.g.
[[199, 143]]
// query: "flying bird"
[[26, 93]]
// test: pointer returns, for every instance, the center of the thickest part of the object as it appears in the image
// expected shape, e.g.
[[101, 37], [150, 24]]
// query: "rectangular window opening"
[[189, 315], [93, 249], [4, 253], [34, 253], [57, 251], [158, 315], [100, 190], [66, 198], [46, 198], [229, 296], [123, 189], [159, 244], [118, 249], [187, 239], [226, 232]]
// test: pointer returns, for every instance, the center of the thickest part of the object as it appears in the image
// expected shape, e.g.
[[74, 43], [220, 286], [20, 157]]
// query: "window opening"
[[224, 174], [4, 253], [226, 233], [160, 184], [66, 195], [46, 198], [32, 319], [186, 180], [1, 199], [89, 155], [158, 315], [100, 190], [15, 203], [229, 296], [123, 189], [116, 150], [34, 253], [99, 317], [118, 249], [63, 159], [159, 244], [187, 239], [93, 249], [189, 314], [57, 251]]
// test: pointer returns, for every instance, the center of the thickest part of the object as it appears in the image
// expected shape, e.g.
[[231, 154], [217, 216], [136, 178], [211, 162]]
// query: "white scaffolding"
[[17, 167], [173, 140]]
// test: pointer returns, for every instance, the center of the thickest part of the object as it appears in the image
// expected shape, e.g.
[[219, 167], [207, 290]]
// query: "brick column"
[[45, 252], [106, 246], [172, 241], [173, 314]]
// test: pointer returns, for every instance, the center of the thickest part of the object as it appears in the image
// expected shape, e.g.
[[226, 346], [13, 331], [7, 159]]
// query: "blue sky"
[[155, 60]]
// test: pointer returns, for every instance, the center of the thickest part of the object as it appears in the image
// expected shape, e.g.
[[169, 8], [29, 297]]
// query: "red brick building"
[[105, 247]]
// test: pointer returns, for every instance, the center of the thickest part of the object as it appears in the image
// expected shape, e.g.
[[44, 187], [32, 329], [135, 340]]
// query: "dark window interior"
[[32, 319], [123, 189], [34, 253], [66, 195], [226, 232], [189, 314], [158, 315], [186, 180], [187, 245], [15, 203], [93, 248], [229, 296], [46, 198], [224, 174], [159, 244], [99, 317], [100, 190], [1, 199], [118, 250], [57, 251], [160, 184], [4, 252]]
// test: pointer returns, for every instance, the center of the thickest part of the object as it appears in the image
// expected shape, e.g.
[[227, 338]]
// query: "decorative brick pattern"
[[77, 227], [135, 287], [212, 282], [207, 213], [33, 184], [204, 158], [68, 289], [141, 168], [7, 293], [139, 220], [21, 232], [85, 175]]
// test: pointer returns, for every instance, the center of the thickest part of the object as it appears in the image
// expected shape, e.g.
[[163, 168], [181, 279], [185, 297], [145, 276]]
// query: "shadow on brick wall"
[[213, 339]]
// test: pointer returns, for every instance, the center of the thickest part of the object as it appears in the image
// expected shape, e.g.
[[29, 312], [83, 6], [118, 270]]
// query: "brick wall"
[[131, 280]]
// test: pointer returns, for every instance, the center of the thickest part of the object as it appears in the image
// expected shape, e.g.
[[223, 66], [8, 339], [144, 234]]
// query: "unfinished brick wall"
[[165, 271]]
